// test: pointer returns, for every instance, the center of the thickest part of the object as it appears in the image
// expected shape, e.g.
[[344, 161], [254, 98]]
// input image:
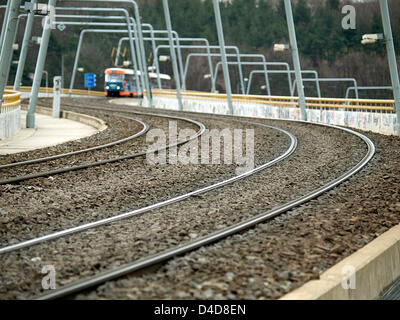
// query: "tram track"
[[140, 203], [137, 212], [143, 264], [213, 236], [103, 162], [144, 129]]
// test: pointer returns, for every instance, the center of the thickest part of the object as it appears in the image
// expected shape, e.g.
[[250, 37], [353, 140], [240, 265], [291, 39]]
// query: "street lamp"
[[37, 40], [372, 38], [281, 47], [80, 69], [164, 58]]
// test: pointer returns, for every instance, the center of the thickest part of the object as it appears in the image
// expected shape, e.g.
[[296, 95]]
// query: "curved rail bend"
[[144, 129], [218, 235], [133, 213], [200, 132]]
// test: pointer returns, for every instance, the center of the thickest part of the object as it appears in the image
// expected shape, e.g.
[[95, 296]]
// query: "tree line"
[[254, 26]]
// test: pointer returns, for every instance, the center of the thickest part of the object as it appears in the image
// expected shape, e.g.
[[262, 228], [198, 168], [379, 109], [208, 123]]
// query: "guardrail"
[[11, 101], [64, 91], [284, 101], [290, 102]]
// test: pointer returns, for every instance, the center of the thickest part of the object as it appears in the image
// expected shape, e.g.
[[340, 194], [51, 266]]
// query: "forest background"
[[252, 25]]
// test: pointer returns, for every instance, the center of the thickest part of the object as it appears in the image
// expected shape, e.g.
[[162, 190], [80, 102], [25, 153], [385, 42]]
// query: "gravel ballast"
[[87, 253]]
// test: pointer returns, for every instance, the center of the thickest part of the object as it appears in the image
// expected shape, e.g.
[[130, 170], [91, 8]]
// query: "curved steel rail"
[[62, 155], [94, 164], [29, 243], [218, 235]]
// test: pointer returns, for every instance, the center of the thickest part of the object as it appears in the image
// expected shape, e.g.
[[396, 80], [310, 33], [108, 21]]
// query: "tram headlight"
[[118, 87], [108, 87]]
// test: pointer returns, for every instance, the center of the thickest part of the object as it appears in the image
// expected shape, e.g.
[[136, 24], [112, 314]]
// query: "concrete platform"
[[48, 132]]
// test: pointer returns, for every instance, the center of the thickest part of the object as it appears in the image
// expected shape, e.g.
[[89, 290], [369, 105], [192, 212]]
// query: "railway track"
[[239, 227], [67, 154], [200, 241], [102, 162], [137, 212]]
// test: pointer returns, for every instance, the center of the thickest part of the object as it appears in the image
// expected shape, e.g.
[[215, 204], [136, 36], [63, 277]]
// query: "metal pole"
[[47, 82], [119, 51], [62, 71], [296, 59], [173, 54], [253, 63], [136, 56], [138, 36], [14, 41], [223, 54], [179, 47], [317, 80], [127, 18], [281, 72], [142, 51], [141, 59], [7, 50], [5, 23], [24, 48], [75, 67], [48, 25], [394, 75], [83, 32], [366, 88], [239, 62], [157, 65], [56, 96]]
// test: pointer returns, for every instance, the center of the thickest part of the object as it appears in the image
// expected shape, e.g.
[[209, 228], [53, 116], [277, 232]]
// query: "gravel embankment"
[[45, 205], [127, 148], [279, 256], [84, 254]]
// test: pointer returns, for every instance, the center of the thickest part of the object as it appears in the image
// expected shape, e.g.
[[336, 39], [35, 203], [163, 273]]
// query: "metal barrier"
[[10, 113], [65, 91], [311, 103], [290, 102], [11, 101]]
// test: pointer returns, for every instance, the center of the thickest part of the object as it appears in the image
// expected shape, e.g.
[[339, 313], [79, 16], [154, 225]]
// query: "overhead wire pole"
[[394, 75], [173, 54], [24, 47], [4, 26], [296, 59], [47, 26], [14, 41], [7, 45], [179, 47], [130, 22], [137, 63], [142, 57], [223, 55], [78, 50]]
